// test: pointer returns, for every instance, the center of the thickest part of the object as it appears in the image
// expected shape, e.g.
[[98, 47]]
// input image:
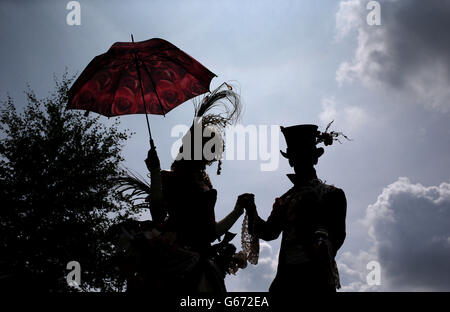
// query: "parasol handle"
[[152, 144]]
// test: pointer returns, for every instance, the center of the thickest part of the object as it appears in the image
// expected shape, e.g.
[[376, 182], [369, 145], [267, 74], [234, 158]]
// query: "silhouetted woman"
[[182, 200]]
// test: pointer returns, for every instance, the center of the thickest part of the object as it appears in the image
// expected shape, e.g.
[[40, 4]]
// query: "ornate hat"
[[227, 106], [301, 140]]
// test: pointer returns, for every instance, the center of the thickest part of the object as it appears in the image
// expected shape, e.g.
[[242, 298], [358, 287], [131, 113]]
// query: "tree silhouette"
[[57, 171]]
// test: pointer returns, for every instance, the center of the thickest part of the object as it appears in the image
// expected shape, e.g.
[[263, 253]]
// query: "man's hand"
[[321, 245], [251, 207], [152, 160]]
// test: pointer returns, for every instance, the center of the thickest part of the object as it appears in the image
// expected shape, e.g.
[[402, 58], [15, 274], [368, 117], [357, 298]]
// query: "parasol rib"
[[152, 145], [154, 87]]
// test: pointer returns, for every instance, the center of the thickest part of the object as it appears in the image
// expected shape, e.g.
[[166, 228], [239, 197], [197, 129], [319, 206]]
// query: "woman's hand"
[[152, 160]]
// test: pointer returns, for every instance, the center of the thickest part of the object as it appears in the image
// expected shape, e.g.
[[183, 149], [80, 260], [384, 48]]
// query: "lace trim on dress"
[[250, 243]]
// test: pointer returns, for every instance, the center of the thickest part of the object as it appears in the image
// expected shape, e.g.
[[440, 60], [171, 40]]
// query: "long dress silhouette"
[[175, 251]]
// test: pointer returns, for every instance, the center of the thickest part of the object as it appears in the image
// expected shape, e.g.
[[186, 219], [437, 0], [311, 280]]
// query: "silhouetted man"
[[311, 216]]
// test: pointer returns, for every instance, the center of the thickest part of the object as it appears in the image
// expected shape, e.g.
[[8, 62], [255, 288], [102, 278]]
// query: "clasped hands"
[[245, 201]]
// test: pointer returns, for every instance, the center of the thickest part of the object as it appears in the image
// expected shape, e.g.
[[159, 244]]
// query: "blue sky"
[[295, 62]]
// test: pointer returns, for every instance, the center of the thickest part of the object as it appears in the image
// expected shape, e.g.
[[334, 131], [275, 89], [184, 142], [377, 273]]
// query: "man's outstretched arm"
[[266, 230]]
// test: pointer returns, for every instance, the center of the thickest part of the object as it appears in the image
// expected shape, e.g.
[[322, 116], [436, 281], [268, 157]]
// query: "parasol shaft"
[[152, 145]]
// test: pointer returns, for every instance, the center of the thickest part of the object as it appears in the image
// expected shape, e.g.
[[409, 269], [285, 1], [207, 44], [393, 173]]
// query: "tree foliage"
[[57, 173]]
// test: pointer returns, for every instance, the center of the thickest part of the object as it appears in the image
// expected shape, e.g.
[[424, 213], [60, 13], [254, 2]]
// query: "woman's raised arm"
[[157, 209], [226, 223]]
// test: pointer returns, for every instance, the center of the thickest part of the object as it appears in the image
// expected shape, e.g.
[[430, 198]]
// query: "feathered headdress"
[[225, 100], [217, 110]]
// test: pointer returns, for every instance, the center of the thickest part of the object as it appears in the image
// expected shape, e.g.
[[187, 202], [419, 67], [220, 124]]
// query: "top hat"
[[301, 140]]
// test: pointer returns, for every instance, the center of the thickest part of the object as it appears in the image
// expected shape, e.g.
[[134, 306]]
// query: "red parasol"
[[152, 76]]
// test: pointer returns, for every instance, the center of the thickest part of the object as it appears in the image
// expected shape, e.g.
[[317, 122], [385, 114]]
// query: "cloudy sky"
[[386, 86]]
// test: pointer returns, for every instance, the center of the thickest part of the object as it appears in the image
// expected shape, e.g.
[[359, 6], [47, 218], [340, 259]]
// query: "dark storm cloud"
[[409, 51]]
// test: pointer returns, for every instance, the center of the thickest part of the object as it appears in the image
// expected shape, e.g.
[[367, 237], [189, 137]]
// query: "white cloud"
[[347, 17], [259, 277], [353, 271], [348, 117], [363, 67], [409, 226]]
